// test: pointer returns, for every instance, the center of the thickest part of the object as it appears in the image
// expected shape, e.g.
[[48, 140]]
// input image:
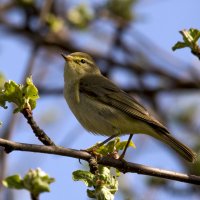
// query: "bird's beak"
[[67, 57]]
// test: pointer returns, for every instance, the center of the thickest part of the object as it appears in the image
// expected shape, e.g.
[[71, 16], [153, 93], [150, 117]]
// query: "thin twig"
[[39, 133], [107, 161]]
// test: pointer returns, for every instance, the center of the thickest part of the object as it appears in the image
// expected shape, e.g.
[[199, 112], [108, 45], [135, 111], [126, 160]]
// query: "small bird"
[[103, 108]]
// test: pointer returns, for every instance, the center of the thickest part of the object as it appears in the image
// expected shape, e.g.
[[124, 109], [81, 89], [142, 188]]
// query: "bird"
[[103, 108]]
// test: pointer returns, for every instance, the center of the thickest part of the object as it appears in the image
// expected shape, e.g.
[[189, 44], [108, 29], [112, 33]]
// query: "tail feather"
[[179, 147]]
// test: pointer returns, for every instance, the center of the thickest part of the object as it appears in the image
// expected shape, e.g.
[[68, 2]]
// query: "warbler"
[[103, 108]]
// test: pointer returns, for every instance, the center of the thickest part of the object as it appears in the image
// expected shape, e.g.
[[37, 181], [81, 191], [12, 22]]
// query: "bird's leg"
[[94, 148], [127, 144], [105, 141]]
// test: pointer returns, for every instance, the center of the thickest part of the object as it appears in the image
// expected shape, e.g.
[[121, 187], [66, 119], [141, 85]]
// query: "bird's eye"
[[83, 61]]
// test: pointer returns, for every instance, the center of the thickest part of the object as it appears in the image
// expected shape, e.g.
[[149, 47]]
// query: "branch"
[[123, 166], [39, 133]]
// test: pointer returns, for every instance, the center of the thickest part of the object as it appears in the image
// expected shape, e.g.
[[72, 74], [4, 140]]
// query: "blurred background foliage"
[[36, 32]]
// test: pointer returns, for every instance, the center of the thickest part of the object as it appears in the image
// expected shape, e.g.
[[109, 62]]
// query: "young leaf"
[[109, 147], [113, 145], [103, 193], [179, 45], [105, 178], [13, 182], [91, 194], [22, 96], [85, 176], [30, 93], [121, 145], [103, 181], [37, 181], [190, 39]]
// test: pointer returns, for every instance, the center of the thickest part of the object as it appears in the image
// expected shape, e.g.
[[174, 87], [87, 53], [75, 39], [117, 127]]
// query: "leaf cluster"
[[35, 181], [190, 39], [104, 182], [112, 146], [23, 96]]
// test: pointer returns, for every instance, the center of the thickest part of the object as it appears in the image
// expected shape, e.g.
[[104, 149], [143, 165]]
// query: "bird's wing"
[[99, 88]]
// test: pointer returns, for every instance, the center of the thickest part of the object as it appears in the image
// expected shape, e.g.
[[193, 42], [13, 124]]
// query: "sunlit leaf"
[[13, 182], [190, 39], [190, 36], [85, 176], [108, 147], [179, 45], [23, 96], [104, 183], [35, 181], [121, 145], [114, 145], [103, 193]]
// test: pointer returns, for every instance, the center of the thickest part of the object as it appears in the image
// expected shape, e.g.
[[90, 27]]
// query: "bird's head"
[[79, 64]]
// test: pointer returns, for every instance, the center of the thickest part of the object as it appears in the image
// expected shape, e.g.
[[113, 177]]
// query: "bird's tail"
[[187, 153]]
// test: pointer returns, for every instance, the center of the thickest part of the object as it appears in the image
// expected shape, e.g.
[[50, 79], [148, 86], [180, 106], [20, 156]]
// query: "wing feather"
[[99, 88]]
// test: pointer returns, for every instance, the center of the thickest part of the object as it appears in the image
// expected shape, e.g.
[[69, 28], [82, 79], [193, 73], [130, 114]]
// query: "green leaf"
[[91, 194], [109, 147], [121, 145], [23, 96], [187, 37], [37, 181], [118, 173], [103, 193], [85, 176], [112, 146], [55, 23], [103, 175], [179, 45], [196, 35], [30, 93], [80, 16], [13, 182], [105, 178], [103, 181], [190, 38]]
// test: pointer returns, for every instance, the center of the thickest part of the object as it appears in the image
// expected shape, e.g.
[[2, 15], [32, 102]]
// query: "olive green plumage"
[[102, 108]]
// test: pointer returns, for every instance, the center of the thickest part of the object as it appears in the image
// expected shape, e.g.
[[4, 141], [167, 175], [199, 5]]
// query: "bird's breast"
[[91, 114]]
